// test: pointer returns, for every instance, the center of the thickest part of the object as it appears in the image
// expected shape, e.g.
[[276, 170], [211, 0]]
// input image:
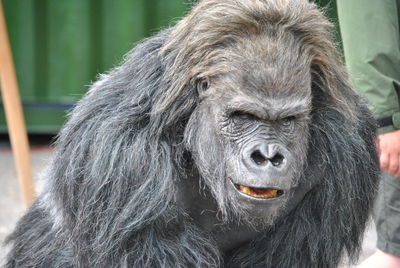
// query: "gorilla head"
[[249, 133]]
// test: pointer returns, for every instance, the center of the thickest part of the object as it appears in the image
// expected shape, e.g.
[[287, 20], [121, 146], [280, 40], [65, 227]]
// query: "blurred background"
[[59, 48]]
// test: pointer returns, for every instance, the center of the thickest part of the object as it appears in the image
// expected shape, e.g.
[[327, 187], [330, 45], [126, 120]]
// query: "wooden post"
[[14, 115]]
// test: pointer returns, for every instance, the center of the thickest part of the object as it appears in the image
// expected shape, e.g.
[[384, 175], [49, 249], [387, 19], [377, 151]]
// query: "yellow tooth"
[[245, 189], [267, 193], [271, 193]]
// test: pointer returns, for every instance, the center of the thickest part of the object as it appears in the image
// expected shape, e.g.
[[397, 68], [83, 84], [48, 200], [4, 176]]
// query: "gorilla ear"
[[202, 84]]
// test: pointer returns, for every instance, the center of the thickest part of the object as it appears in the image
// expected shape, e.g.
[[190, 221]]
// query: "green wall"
[[59, 47]]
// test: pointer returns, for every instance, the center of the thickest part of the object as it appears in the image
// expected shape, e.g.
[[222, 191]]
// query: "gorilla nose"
[[261, 160], [263, 156]]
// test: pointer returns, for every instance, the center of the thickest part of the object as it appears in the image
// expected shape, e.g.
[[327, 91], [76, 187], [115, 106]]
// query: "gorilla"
[[232, 139]]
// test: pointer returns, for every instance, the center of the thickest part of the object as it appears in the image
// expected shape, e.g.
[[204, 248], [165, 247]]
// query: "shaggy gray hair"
[[111, 199]]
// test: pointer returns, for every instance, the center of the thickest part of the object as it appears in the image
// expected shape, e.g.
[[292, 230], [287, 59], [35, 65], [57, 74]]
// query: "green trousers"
[[371, 43], [387, 215], [370, 35]]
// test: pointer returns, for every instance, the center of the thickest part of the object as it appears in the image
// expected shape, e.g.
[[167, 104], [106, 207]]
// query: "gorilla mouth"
[[265, 193]]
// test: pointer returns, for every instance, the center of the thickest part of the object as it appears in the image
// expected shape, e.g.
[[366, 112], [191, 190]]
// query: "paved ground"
[[11, 205]]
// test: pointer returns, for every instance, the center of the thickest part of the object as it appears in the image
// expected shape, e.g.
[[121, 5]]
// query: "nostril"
[[258, 158], [277, 160]]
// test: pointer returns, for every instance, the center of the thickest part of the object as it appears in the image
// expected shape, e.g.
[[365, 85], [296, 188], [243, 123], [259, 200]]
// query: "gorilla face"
[[252, 139]]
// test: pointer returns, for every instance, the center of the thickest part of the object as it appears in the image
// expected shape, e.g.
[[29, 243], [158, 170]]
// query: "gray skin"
[[203, 210], [264, 134]]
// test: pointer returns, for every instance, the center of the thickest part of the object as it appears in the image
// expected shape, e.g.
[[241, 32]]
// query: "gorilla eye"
[[287, 121], [243, 115], [202, 84]]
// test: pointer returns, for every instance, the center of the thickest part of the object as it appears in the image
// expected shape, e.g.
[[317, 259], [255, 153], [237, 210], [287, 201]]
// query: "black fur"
[[112, 193]]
